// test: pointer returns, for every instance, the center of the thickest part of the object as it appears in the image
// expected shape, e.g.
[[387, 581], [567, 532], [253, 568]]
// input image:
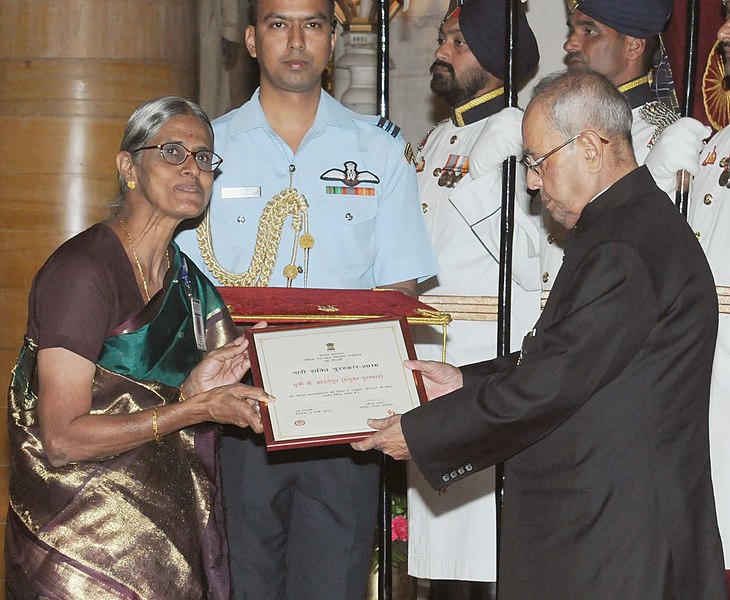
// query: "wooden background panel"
[[47, 203], [77, 87], [23, 255], [8, 355], [15, 311], [101, 29], [54, 145]]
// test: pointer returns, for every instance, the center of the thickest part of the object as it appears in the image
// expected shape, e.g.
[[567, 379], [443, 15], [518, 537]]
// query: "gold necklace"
[[136, 260]]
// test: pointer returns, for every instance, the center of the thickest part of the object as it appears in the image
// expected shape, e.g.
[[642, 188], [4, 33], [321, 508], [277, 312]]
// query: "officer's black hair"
[[253, 6]]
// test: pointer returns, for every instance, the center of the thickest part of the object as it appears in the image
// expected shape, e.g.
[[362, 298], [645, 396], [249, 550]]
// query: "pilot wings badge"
[[350, 176]]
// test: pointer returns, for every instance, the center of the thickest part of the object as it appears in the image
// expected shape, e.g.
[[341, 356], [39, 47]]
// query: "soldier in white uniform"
[[617, 38], [452, 535], [709, 216]]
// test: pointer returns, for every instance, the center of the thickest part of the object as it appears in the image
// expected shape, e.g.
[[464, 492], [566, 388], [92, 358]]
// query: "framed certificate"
[[328, 380]]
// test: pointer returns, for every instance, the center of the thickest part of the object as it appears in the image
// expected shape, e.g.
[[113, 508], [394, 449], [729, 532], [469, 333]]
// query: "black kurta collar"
[[623, 190], [478, 108], [637, 91]]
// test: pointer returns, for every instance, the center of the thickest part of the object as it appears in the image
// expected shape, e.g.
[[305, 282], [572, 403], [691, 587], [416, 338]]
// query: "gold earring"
[[131, 185]]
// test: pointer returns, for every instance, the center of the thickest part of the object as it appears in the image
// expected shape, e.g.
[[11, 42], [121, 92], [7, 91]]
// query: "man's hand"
[[439, 378], [500, 139], [677, 149], [388, 439]]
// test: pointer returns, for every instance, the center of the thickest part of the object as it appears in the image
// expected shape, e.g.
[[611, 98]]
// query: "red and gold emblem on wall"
[[715, 95]]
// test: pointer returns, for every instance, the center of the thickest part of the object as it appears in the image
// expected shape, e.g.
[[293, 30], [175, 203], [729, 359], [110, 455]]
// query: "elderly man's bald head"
[[577, 136], [577, 100]]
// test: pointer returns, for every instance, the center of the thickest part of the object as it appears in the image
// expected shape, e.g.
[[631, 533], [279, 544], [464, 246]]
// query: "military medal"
[[711, 157], [725, 175], [443, 180], [724, 178], [451, 173]]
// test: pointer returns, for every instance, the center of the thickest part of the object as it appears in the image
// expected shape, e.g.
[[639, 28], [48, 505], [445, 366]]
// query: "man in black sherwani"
[[601, 420]]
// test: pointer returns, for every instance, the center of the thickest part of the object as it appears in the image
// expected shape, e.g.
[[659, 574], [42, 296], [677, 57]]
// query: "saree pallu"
[[146, 524]]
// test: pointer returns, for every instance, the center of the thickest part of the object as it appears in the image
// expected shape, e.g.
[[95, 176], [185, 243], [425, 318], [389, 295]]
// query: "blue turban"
[[636, 18], [483, 24]]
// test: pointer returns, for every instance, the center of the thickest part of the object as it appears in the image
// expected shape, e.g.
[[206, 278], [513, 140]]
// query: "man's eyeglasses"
[[534, 165], [177, 154]]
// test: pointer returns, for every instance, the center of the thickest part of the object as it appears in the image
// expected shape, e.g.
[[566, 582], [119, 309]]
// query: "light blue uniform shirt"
[[366, 234]]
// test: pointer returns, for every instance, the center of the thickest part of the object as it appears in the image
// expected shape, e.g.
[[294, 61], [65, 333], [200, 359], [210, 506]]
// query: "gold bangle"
[[154, 426]]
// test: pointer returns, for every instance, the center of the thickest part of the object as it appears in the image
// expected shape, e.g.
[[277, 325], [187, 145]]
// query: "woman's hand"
[[235, 404], [220, 367]]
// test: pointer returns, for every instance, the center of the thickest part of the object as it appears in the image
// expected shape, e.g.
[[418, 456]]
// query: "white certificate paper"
[[328, 380]]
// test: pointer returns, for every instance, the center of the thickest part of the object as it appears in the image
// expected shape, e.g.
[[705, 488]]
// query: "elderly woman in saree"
[[129, 361]]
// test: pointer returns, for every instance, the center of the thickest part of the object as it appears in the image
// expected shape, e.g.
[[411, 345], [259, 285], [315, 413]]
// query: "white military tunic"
[[709, 217], [452, 535]]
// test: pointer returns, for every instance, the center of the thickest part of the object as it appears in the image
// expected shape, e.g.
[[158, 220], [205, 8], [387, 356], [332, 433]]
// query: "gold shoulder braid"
[[268, 237], [659, 115], [633, 84]]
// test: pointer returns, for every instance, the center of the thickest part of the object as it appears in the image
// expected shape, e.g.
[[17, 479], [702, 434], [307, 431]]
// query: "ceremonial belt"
[[464, 308], [484, 308], [723, 299]]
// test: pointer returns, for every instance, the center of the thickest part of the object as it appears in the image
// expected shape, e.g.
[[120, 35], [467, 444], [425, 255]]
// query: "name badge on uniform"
[[198, 324], [251, 191]]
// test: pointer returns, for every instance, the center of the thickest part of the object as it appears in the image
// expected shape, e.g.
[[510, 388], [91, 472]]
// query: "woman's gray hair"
[[146, 122], [576, 100]]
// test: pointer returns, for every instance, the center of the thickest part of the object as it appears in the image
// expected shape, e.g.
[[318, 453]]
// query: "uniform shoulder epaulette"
[[388, 126], [659, 115]]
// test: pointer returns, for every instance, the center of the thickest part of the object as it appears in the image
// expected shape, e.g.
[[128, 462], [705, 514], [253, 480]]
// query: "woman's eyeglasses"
[[177, 154]]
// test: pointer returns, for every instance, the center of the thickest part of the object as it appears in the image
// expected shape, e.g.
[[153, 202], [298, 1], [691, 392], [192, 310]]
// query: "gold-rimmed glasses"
[[534, 165]]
